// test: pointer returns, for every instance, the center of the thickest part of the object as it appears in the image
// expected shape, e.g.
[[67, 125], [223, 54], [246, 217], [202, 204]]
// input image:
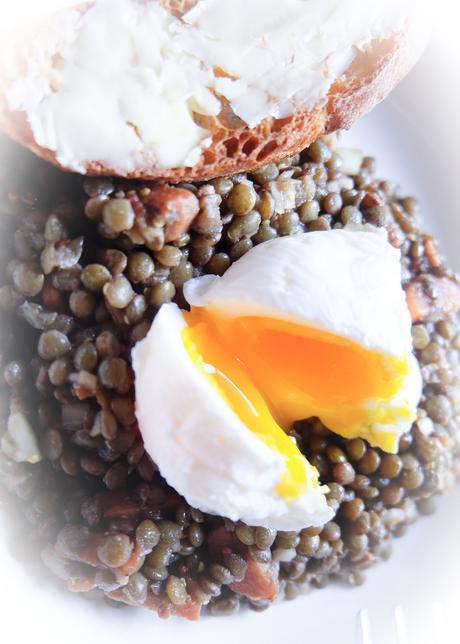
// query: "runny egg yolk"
[[273, 372], [204, 346]]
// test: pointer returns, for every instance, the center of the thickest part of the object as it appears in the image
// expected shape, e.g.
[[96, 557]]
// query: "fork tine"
[[364, 630], [401, 626], [442, 632]]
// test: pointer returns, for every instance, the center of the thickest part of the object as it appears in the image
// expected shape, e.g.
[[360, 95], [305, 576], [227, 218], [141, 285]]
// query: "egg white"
[[341, 281], [200, 445], [345, 282]]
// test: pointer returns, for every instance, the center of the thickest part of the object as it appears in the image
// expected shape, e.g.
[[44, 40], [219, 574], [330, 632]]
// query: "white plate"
[[413, 598]]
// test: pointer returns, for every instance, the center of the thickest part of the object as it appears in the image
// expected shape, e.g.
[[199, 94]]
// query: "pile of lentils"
[[86, 266]]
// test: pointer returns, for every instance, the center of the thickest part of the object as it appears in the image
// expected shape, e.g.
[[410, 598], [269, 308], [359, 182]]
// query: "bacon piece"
[[83, 585], [161, 605], [432, 252], [119, 508], [88, 555], [431, 299], [165, 207], [221, 538], [395, 235], [260, 581], [134, 563]]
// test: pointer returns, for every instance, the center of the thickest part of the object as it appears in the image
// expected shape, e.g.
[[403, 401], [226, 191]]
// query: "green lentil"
[[196, 535], [137, 588], [95, 206], [218, 264], [390, 466], [53, 344], [264, 537], [369, 463], [14, 373], [82, 303], [352, 509], [135, 310], [319, 152], [162, 293], [266, 173], [118, 292], [160, 556], [176, 589], [245, 534], [169, 256], [343, 473], [27, 279], [439, 409], [265, 233], [115, 550], [332, 203], [244, 226], [266, 205], [241, 199], [113, 372], [420, 337], [320, 224], [141, 267], [85, 357], [94, 276], [107, 345], [240, 248], [118, 215], [351, 215], [183, 272]]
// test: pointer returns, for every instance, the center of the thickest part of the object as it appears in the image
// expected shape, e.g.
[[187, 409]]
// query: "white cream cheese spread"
[[119, 82]]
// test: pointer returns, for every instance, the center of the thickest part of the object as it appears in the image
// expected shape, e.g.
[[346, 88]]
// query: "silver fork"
[[442, 630]]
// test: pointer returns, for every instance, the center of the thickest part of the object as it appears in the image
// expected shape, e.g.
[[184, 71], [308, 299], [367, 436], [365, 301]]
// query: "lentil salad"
[[80, 291]]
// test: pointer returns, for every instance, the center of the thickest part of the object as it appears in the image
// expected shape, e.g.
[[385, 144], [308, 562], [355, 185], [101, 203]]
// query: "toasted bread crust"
[[237, 148], [178, 7]]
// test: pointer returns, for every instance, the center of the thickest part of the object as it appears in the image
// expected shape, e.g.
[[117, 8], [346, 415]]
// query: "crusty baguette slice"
[[236, 147]]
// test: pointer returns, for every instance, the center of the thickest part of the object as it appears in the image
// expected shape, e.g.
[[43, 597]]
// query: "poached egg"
[[310, 325]]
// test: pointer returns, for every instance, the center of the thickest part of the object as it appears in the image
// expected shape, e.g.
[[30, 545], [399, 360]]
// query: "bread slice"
[[235, 147]]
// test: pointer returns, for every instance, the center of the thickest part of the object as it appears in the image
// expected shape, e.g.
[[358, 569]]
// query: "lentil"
[[85, 357], [241, 199], [137, 588], [115, 550], [118, 215], [135, 310], [113, 373], [82, 303], [27, 279], [94, 276], [218, 264], [107, 345], [369, 463], [390, 466], [439, 409], [183, 272], [140, 267], [52, 345], [162, 293], [319, 152], [118, 292]]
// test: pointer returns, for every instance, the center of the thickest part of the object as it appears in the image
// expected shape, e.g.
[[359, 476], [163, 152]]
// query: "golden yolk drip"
[[307, 372], [272, 373], [206, 348]]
